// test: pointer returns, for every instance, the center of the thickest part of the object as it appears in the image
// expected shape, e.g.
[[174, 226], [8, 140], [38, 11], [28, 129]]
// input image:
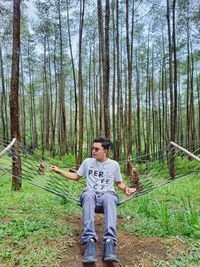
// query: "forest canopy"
[[128, 70]]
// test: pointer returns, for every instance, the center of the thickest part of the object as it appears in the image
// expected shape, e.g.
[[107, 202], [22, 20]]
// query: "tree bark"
[[172, 130], [75, 87], [14, 101], [23, 107], [80, 84], [107, 73], [119, 85], [104, 46], [62, 119], [3, 100], [129, 59]]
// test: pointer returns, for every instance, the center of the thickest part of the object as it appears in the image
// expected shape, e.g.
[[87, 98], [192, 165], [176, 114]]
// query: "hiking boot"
[[90, 251], [109, 251]]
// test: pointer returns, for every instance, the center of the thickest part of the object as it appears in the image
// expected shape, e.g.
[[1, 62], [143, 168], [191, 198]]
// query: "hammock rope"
[[153, 173]]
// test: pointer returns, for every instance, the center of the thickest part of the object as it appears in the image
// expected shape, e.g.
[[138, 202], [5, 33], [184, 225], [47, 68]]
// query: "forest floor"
[[38, 229], [132, 250]]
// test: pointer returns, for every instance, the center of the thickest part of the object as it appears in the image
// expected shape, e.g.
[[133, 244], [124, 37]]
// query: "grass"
[[34, 232], [171, 211], [189, 259], [31, 221]]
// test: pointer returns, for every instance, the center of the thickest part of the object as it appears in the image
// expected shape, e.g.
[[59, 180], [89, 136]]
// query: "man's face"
[[98, 152]]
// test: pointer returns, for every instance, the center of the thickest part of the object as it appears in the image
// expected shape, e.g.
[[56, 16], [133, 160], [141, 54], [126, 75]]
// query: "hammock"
[[153, 170]]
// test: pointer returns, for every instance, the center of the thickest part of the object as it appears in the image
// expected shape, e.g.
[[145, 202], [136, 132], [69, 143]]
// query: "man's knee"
[[110, 197], [88, 196]]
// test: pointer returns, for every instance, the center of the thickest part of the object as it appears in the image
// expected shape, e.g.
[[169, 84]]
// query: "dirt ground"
[[132, 250]]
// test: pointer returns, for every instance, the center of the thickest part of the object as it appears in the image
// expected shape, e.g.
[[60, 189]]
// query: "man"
[[101, 173]]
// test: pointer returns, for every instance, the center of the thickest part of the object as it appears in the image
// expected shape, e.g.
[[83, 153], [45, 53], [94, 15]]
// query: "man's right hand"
[[69, 175], [55, 169]]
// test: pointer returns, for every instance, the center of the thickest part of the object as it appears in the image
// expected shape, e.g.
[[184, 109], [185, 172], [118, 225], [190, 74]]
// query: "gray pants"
[[91, 200]]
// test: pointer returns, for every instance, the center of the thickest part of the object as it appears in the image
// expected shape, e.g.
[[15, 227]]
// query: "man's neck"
[[102, 160]]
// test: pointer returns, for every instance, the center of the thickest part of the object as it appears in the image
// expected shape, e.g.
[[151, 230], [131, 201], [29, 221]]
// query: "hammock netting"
[[153, 170]]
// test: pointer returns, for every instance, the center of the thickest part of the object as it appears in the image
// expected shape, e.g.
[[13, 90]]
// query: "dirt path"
[[132, 250]]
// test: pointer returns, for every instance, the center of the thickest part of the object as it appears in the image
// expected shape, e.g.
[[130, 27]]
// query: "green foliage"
[[69, 158], [192, 258], [171, 211], [167, 212], [183, 165], [30, 220], [18, 229]]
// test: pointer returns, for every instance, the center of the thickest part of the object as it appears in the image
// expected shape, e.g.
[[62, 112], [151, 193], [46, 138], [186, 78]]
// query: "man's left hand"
[[129, 191]]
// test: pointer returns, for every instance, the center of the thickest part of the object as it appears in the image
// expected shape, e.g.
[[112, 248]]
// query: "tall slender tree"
[[75, 83], [62, 114], [80, 83], [129, 60], [106, 92], [104, 46], [119, 85], [14, 102], [3, 99]]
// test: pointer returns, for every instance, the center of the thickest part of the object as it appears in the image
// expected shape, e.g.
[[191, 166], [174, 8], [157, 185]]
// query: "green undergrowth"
[[171, 211], [34, 230], [33, 226]]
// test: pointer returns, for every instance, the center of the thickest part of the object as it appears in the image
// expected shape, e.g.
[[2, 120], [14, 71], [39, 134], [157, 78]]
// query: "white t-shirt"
[[100, 175]]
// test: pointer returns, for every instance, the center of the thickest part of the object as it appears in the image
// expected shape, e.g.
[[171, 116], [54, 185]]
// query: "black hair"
[[105, 142]]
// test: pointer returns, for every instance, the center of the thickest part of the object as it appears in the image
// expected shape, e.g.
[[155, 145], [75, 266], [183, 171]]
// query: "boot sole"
[[110, 260], [89, 261]]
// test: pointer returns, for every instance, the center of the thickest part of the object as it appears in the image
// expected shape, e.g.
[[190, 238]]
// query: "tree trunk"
[[107, 73], [172, 130], [119, 86], [175, 70], [3, 100], [62, 118], [104, 46], [23, 107], [114, 84], [14, 101], [80, 84], [56, 99], [75, 87], [129, 59], [138, 148]]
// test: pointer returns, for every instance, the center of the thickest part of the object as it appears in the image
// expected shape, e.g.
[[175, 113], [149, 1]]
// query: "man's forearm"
[[127, 190], [121, 186], [69, 175]]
